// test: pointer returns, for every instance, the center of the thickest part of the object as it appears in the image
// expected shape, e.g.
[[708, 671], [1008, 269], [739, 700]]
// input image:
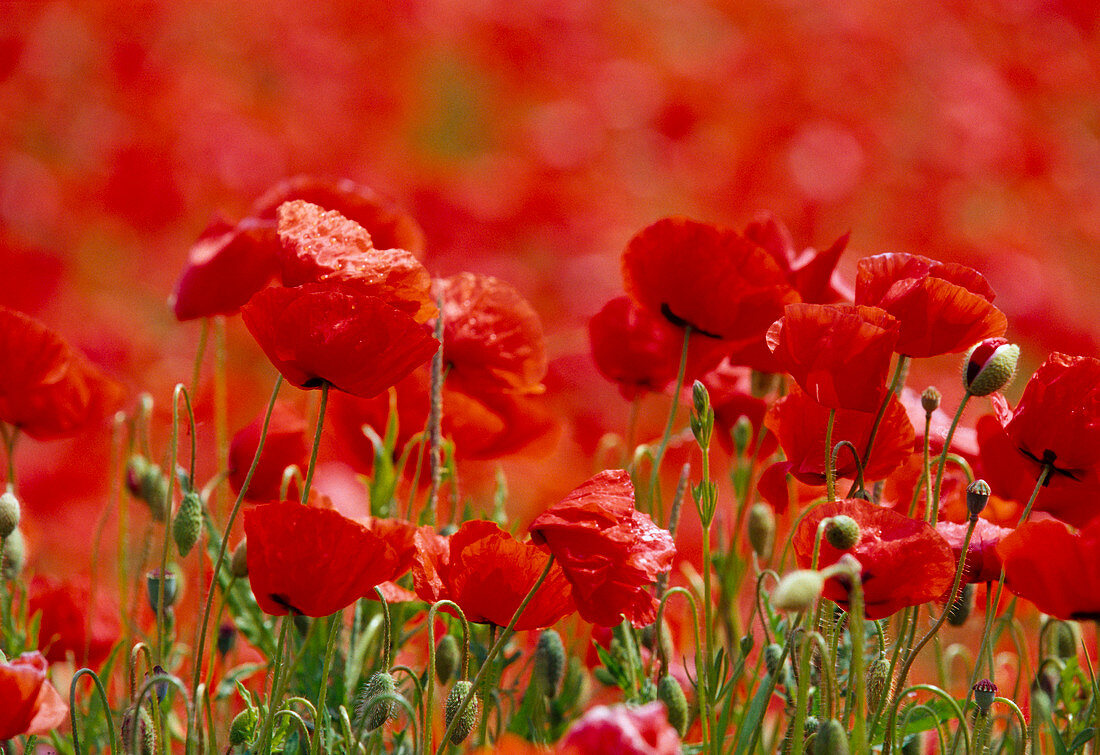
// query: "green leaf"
[[1082, 738]]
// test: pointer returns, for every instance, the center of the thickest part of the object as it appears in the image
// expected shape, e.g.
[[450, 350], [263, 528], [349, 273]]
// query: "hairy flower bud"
[[930, 399], [761, 528], [139, 736], [468, 718], [831, 739], [772, 654], [447, 657], [842, 532], [154, 492], [702, 418], [984, 692], [961, 608], [1063, 640], [879, 683], [798, 591], [9, 513], [549, 662], [990, 366], [373, 713], [15, 555], [672, 695], [188, 523], [977, 496]]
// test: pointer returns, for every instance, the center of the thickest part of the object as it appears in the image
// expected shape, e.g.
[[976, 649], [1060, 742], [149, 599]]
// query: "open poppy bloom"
[[1054, 568], [488, 573], [941, 307], [47, 389], [610, 552], [284, 445], [323, 332], [64, 624], [623, 729], [905, 561], [982, 562], [710, 278], [799, 422], [29, 704], [312, 561], [839, 353], [323, 245]]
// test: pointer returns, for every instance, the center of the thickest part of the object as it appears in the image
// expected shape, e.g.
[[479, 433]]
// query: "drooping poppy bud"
[[374, 714], [243, 727], [188, 522], [879, 682], [468, 717], [672, 695], [798, 591], [842, 532], [549, 662], [990, 366], [447, 657], [761, 529]]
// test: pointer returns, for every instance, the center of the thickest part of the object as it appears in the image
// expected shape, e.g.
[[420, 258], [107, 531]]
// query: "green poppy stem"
[[330, 648], [316, 442]]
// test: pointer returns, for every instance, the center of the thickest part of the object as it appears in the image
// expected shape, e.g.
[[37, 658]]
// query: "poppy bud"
[[154, 492], [761, 528], [984, 692], [702, 418], [798, 591], [238, 564], [15, 555], [772, 654], [990, 366], [188, 523], [549, 662], [977, 495], [373, 715], [153, 582], [9, 512], [447, 656], [227, 638], [741, 433], [842, 532], [469, 716], [672, 695], [930, 400], [831, 739], [1049, 680], [1064, 642], [146, 735], [136, 467], [159, 688], [961, 608], [879, 683], [243, 727]]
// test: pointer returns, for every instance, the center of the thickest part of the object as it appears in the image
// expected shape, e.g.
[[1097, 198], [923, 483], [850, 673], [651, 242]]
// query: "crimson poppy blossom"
[[941, 307], [904, 561], [324, 332], [65, 629], [284, 445], [643, 730], [839, 353], [488, 573], [799, 422], [811, 272], [312, 561], [29, 704], [982, 562], [711, 278], [47, 389], [1056, 569], [610, 552]]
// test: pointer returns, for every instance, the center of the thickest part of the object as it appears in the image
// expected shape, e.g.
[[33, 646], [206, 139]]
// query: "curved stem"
[[887, 745], [103, 699], [934, 493]]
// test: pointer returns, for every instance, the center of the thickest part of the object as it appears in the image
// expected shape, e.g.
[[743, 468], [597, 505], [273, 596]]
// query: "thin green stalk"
[[656, 506], [102, 698], [196, 371], [330, 648], [830, 469], [316, 442], [278, 675], [895, 384], [934, 493]]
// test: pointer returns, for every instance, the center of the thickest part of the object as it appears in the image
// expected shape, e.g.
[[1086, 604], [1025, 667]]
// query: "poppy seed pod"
[[984, 692], [930, 400], [9, 513], [842, 532], [990, 366], [761, 528], [549, 662], [672, 695], [977, 496], [798, 591], [469, 715], [153, 588], [879, 682]]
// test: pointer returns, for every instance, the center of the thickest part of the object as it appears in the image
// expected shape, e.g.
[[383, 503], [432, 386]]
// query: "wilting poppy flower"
[[29, 704], [323, 332], [48, 390], [812, 273], [488, 573], [839, 353], [225, 267], [312, 561], [1054, 568], [710, 278], [492, 338], [284, 445], [982, 562], [904, 561], [941, 307], [643, 730], [63, 633], [610, 552], [799, 422], [323, 245]]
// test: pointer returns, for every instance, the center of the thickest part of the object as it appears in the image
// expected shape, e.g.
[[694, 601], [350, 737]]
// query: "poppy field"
[[548, 376]]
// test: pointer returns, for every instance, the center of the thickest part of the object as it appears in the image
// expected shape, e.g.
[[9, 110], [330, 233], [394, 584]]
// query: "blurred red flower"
[[622, 729], [610, 552], [941, 307], [811, 273], [799, 422], [1056, 569], [904, 561], [285, 444], [729, 388], [66, 630], [47, 389], [487, 572], [28, 703], [710, 278], [225, 267], [839, 353], [312, 561], [323, 332], [982, 562]]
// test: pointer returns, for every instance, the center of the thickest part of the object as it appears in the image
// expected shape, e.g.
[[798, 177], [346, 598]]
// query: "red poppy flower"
[[225, 267], [47, 390], [312, 561], [643, 730], [28, 703], [322, 332], [982, 562], [729, 388], [799, 422], [323, 245], [941, 307], [488, 573], [904, 561], [492, 338], [710, 278], [811, 273], [63, 633], [1054, 568], [610, 552], [284, 445], [839, 353]]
